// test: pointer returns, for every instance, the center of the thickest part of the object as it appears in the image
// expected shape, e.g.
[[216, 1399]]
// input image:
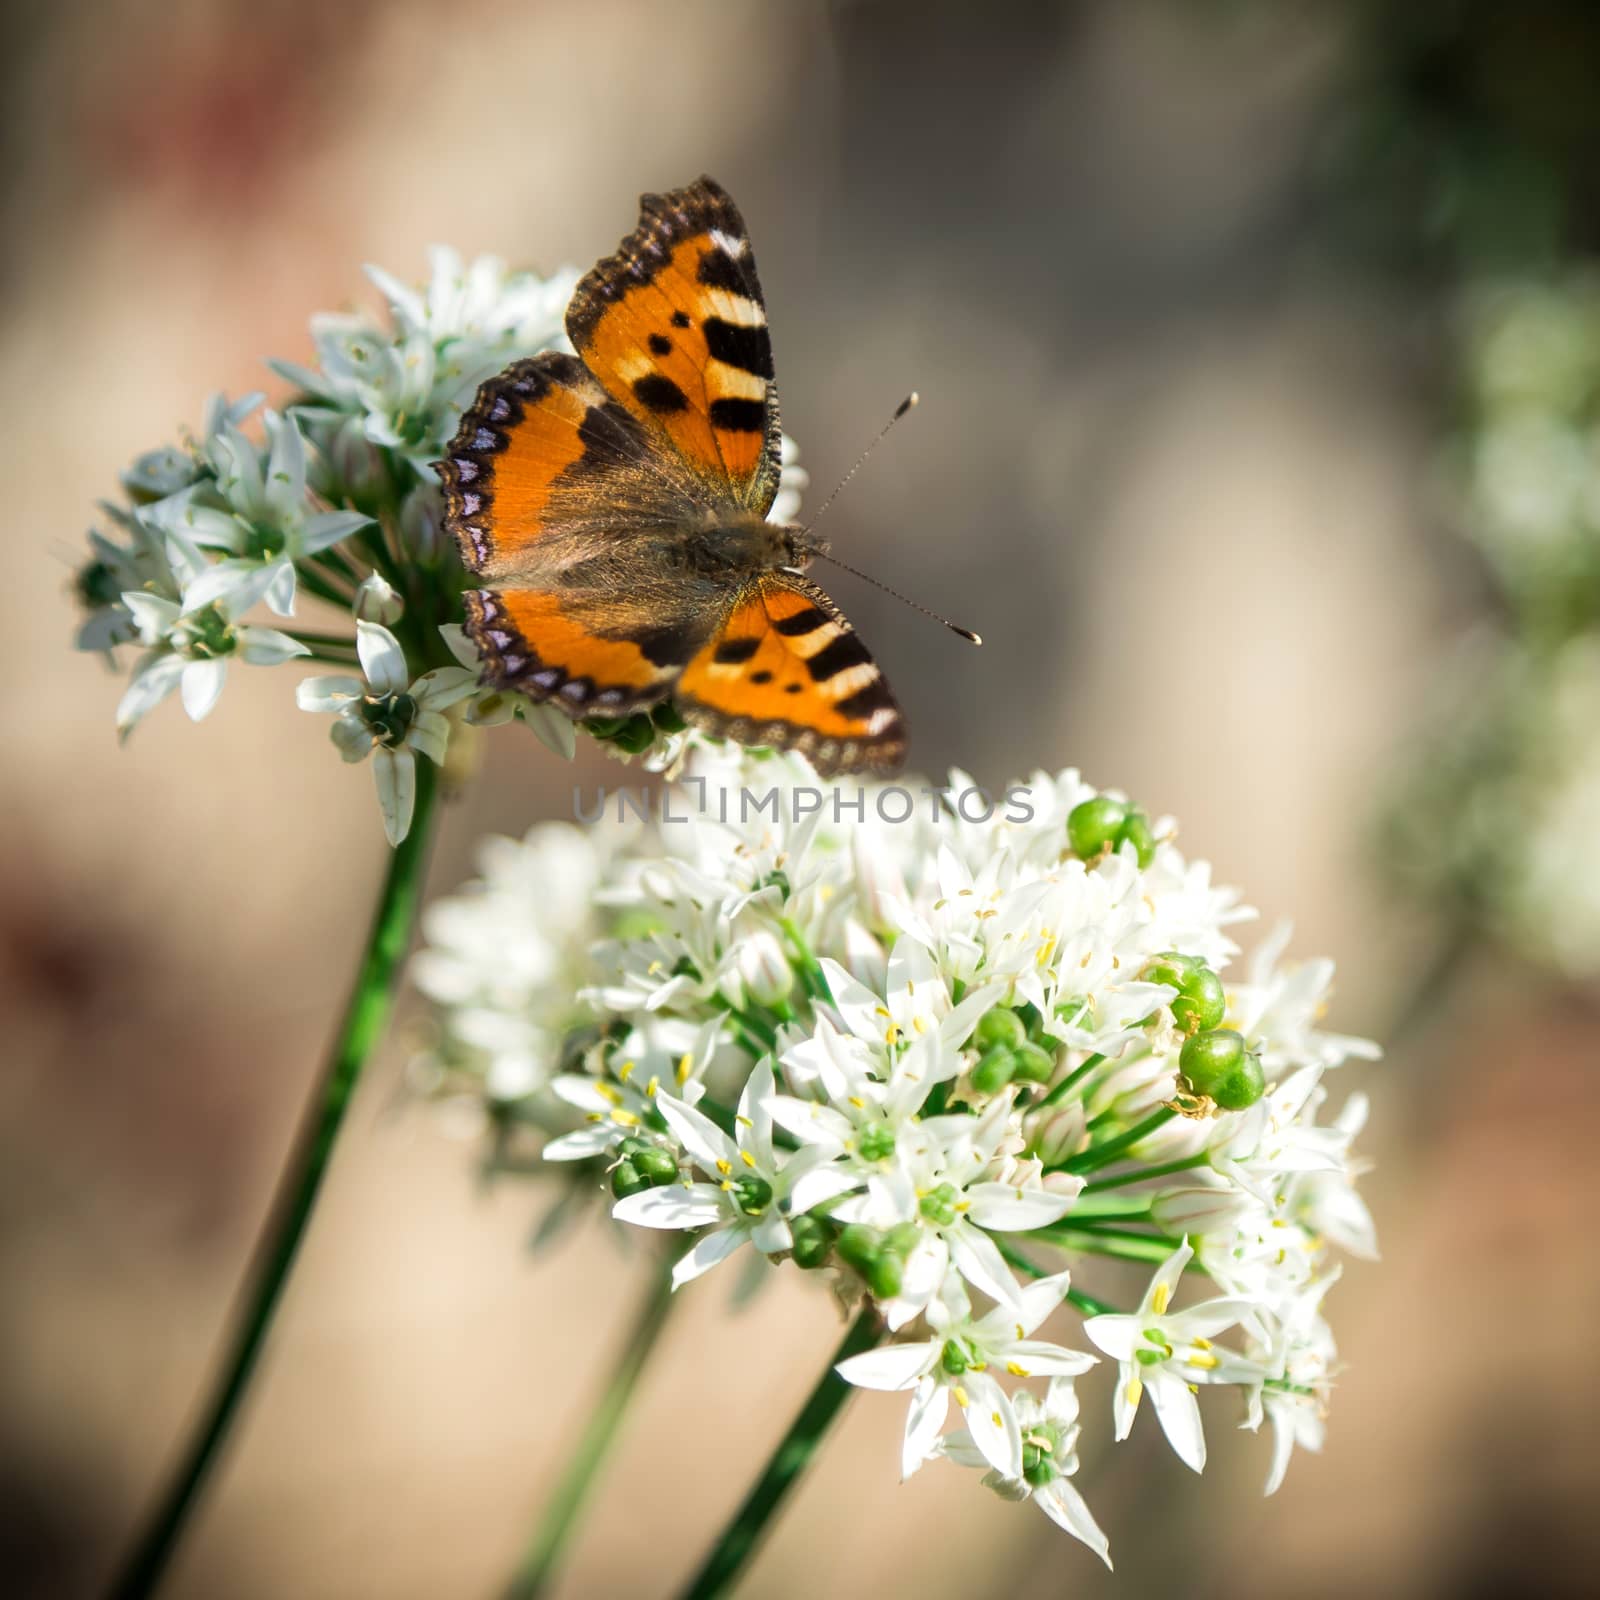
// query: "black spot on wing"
[[719, 270], [658, 393], [749, 349], [807, 621], [836, 656], [671, 645], [732, 651], [763, 676], [660, 344], [739, 416], [874, 697], [680, 319]]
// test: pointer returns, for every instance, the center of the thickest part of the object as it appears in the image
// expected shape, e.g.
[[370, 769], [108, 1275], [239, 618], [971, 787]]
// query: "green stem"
[[1140, 1174], [737, 1544], [1084, 1241], [1101, 1154], [366, 1016], [561, 1512], [1070, 1082]]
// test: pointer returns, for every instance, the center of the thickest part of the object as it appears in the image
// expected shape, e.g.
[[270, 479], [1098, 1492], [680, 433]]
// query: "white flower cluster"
[[917, 1055], [331, 499]]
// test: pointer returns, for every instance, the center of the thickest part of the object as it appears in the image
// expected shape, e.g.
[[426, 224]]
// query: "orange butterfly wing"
[[675, 327], [543, 484], [787, 670]]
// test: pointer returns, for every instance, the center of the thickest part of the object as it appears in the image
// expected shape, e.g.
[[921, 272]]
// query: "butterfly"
[[611, 507]]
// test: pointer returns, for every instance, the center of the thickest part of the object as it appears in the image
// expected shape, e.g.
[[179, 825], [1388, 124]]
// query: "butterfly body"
[[612, 508]]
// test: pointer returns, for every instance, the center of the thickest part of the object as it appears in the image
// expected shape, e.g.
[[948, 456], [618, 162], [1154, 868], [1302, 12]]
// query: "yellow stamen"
[[961, 1396], [1017, 1371], [1133, 1391], [748, 1159], [625, 1071], [685, 1067], [1160, 1299], [724, 1167], [1205, 1362]]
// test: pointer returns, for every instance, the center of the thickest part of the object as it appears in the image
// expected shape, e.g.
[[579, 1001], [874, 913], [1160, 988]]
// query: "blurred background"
[[1259, 356]]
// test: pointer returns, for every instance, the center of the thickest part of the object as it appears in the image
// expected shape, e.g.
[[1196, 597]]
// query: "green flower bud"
[[813, 1241], [667, 718], [1000, 1026], [636, 735], [1041, 1449], [1243, 1086], [1201, 1003], [995, 1071], [626, 1179], [1208, 1058], [1035, 1064], [858, 1246], [1094, 824], [1137, 832]]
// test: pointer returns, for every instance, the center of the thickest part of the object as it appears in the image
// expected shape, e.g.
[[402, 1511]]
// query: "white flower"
[[1166, 1353], [955, 1364], [1292, 1390], [389, 718], [187, 646], [409, 383], [1049, 1430], [255, 510], [742, 1202]]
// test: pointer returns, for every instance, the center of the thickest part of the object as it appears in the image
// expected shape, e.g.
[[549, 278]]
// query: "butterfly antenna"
[[899, 411], [855, 572]]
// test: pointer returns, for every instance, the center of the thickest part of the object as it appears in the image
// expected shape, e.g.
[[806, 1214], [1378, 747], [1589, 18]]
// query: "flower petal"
[[891, 1366]]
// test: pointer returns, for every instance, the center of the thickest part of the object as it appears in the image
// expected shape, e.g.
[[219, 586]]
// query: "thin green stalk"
[[1071, 1081], [1085, 1241], [739, 1539], [366, 1016], [562, 1510], [1101, 1154], [1140, 1174]]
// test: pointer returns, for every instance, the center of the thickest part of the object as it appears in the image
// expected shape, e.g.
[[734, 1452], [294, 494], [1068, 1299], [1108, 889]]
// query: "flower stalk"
[[743, 1533], [366, 1017], [561, 1512]]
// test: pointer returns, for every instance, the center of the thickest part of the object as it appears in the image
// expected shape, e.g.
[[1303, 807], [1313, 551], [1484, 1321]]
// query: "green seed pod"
[[953, 1359], [1094, 824], [1169, 968], [858, 1246], [626, 1179], [884, 1276], [813, 1241], [1202, 1003], [1208, 1058], [901, 1239], [1243, 1086], [655, 1165], [1000, 1026], [1137, 832], [1035, 1064], [995, 1071]]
